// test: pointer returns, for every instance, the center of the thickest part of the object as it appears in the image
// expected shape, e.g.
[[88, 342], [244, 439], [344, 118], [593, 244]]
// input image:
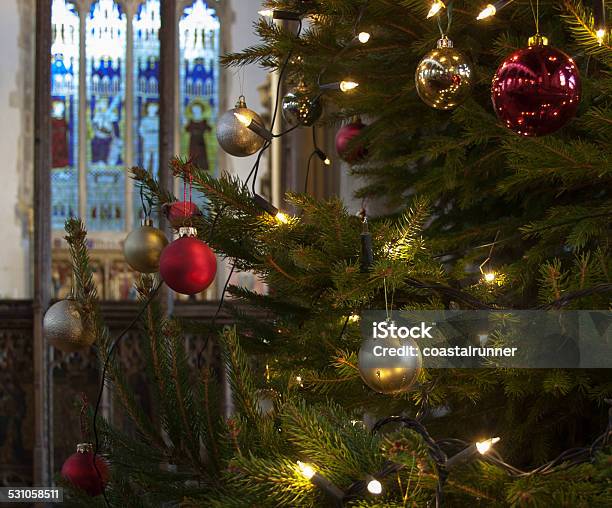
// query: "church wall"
[[16, 109]]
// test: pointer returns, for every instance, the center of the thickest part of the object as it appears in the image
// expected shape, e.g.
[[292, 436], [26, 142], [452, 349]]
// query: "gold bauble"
[[143, 247], [64, 329], [444, 76], [389, 374], [233, 136]]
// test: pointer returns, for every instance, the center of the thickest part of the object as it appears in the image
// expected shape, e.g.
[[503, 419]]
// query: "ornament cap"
[[147, 221], [537, 40], [84, 448], [445, 42], [188, 231], [241, 102]]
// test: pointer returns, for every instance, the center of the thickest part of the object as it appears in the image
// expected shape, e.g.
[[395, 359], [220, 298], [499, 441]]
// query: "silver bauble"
[[444, 76], [64, 329], [389, 374], [233, 136], [300, 108], [143, 247]]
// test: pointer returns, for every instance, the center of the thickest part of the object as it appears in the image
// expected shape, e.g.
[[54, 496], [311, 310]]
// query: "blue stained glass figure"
[[64, 112], [146, 26], [199, 77], [105, 47]]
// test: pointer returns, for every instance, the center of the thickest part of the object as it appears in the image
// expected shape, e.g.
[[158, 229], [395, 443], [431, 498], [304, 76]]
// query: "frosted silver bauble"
[[389, 374], [143, 247], [300, 108], [64, 329], [444, 77], [233, 136]]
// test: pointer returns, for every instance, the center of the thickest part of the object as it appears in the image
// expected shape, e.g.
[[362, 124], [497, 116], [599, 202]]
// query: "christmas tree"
[[484, 214]]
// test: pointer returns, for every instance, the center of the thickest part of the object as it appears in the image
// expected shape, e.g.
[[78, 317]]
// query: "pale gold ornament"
[[233, 136], [444, 76], [64, 328], [143, 247], [385, 373]]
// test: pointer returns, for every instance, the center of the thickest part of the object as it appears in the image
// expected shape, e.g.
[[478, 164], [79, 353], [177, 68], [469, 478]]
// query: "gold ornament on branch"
[[385, 373], [143, 247], [444, 76]]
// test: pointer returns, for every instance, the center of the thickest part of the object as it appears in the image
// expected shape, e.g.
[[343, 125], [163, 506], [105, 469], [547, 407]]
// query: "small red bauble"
[[344, 136], [179, 213], [536, 90], [79, 470], [188, 265]]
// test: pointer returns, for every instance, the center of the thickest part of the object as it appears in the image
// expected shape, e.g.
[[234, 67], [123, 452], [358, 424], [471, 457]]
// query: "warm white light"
[[354, 318], [346, 86], [306, 470], [268, 13], [327, 162], [484, 446], [489, 276], [374, 486], [600, 34], [487, 12], [363, 37], [244, 120], [282, 217], [435, 8]]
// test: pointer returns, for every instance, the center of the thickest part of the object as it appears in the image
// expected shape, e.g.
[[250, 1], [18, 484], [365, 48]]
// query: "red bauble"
[[188, 265], [536, 90], [79, 470], [179, 213], [344, 136]]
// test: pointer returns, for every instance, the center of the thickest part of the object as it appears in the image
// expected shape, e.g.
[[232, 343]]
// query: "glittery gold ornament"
[[300, 108], [143, 247], [64, 328], [444, 76], [233, 136], [385, 373]]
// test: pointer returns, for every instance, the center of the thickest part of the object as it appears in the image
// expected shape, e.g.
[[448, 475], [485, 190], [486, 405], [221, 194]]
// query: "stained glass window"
[[64, 112], [146, 25], [199, 78], [105, 48]]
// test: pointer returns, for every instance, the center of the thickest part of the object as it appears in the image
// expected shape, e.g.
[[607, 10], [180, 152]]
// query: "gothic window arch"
[[105, 106]]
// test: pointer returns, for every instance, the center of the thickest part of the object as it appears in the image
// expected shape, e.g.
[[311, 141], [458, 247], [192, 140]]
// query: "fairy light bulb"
[[243, 119], [281, 217], [484, 446], [266, 13], [489, 276], [374, 486], [254, 126], [363, 37], [347, 86], [306, 469], [436, 7], [599, 20], [487, 12]]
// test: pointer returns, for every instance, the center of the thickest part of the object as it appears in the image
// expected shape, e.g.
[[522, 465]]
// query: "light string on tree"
[[316, 152], [444, 465], [489, 275]]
